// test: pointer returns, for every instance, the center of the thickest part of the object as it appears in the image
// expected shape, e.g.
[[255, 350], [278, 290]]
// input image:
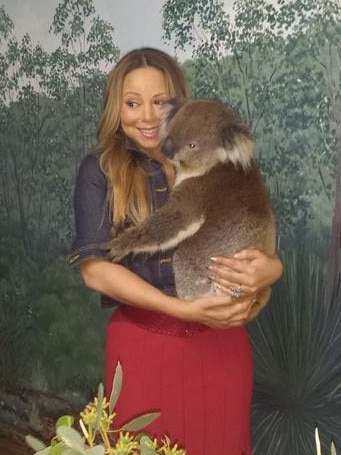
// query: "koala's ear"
[[238, 143], [172, 106]]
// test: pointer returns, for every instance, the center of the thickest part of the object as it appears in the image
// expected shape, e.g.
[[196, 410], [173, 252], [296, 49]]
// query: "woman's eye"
[[160, 102], [131, 103]]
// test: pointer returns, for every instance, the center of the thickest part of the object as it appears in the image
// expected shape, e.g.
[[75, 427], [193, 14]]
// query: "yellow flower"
[[89, 415], [166, 449], [125, 445]]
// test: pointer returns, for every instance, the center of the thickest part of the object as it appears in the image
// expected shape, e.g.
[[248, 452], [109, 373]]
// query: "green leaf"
[[140, 422], [116, 387], [35, 443], [46, 451], [65, 420], [57, 449], [145, 449], [97, 450], [55, 441], [72, 439]]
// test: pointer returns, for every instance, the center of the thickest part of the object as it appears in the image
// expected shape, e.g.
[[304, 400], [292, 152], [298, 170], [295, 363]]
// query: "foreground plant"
[[296, 350], [318, 444], [97, 436]]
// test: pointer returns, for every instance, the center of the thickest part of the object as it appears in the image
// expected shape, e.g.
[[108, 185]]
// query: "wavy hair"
[[129, 195]]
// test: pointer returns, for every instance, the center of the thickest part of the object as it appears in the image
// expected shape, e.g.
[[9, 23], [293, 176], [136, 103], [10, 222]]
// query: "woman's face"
[[143, 93]]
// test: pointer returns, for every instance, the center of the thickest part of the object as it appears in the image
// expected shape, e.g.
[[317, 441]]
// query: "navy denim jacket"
[[93, 221]]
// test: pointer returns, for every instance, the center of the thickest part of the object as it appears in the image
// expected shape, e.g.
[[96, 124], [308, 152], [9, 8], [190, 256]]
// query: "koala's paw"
[[115, 250]]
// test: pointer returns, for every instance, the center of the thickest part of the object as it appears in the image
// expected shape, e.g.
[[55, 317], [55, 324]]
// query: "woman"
[[189, 360]]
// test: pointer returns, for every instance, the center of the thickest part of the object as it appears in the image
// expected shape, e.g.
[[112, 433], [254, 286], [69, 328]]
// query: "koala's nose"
[[168, 147]]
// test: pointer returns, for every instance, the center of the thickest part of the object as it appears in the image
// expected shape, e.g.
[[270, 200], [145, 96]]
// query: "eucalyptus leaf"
[[46, 451], [35, 443], [116, 387], [70, 451], [72, 439], [140, 422], [97, 450], [145, 450], [65, 420], [55, 441], [145, 442], [57, 449]]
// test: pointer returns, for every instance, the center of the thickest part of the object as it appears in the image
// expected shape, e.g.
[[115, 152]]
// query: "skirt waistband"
[[161, 323]]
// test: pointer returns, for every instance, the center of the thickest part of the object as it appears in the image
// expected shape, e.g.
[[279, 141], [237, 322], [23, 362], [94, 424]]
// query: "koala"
[[219, 204]]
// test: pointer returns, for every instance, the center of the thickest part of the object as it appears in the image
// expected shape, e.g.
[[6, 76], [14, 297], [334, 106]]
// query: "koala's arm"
[[164, 229]]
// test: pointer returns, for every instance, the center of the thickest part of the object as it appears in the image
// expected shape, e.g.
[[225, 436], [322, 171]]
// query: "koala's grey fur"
[[218, 205]]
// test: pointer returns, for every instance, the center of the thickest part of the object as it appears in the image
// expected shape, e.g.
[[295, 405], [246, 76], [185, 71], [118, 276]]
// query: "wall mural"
[[279, 64]]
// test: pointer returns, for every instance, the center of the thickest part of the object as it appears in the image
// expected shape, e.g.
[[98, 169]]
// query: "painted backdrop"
[[279, 64]]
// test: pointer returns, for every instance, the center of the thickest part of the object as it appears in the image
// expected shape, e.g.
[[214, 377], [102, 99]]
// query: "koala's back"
[[238, 214]]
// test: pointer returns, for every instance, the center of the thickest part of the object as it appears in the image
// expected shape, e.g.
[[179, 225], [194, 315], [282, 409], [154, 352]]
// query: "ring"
[[236, 292]]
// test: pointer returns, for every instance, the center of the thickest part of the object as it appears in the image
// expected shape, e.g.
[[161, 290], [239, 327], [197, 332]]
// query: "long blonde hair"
[[129, 196]]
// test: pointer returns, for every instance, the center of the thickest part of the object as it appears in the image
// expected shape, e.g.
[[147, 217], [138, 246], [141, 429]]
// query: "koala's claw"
[[113, 251]]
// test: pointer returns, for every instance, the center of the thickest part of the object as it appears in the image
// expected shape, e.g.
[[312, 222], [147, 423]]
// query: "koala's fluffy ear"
[[172, 106], [169, 109], [238, 143]]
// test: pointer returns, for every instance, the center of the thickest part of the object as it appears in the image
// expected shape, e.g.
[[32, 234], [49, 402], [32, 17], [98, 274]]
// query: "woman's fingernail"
[[213, 258]]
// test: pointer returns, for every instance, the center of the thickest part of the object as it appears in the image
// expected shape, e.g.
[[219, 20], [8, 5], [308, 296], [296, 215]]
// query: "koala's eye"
[[191, 145]]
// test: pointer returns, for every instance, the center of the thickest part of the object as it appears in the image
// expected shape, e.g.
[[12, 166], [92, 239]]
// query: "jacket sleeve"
[[91, 212]]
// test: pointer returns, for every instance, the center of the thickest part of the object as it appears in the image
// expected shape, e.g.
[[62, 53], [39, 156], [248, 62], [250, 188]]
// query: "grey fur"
[[219, 204]]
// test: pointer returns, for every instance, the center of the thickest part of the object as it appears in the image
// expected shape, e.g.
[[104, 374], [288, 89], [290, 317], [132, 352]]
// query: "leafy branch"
[[97, 436]]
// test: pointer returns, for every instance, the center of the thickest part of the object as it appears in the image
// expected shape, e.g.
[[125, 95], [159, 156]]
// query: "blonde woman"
[[189, 360]]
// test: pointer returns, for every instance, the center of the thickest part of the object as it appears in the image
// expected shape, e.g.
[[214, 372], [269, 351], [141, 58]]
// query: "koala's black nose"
[[168, 147]]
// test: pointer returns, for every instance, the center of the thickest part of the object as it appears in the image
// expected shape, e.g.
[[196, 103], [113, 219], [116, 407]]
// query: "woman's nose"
[[149, 112]]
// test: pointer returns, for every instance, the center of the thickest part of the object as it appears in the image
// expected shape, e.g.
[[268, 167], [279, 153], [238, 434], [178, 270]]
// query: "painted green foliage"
[[279, 65], [50, 103]]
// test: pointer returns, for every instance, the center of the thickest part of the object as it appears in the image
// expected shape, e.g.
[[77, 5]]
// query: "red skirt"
[[200, 381]]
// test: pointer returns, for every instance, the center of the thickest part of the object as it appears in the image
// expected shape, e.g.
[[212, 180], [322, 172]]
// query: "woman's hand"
[[220, 312], [246, 273]]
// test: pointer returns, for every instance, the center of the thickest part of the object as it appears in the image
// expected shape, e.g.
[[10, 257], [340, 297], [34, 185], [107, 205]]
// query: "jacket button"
[[165, 260]]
